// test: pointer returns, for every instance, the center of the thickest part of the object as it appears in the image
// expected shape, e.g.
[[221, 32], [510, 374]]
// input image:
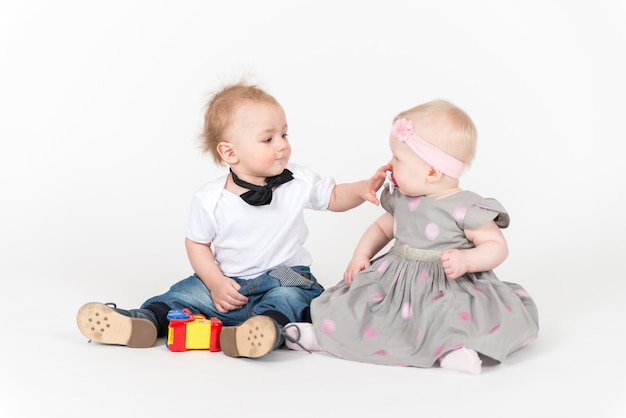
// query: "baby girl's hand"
[[356, 265], [454, 262]]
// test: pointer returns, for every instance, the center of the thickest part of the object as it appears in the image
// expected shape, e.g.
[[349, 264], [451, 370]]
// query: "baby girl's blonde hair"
[[445, 126]]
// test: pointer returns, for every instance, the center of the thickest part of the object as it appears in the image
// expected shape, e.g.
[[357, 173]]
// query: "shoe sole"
[[254, 338], [105, 325]]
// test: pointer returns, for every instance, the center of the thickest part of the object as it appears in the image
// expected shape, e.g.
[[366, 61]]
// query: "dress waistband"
[[414, 253]]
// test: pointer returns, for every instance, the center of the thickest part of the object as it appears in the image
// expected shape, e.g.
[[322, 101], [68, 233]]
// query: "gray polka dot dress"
[[404, 311]]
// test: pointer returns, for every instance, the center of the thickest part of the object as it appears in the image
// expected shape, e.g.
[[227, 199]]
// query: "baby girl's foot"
[[463, 360], [301, 336]]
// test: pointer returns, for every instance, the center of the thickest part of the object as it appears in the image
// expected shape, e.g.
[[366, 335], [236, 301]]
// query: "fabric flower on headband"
[[404, 131]]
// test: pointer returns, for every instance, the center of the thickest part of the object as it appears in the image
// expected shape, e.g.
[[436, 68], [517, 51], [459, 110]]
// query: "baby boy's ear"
[[227, 152]]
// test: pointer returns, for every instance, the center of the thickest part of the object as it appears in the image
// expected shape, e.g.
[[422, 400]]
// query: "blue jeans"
[[264, 293]]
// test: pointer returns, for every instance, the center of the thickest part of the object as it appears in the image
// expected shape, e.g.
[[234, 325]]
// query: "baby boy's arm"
[[346, 196], [224, 290]]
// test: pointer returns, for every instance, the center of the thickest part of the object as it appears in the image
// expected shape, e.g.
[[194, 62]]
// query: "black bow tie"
[[261, 195]]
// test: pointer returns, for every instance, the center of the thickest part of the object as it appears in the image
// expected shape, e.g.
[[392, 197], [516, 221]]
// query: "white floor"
[[49, 369]]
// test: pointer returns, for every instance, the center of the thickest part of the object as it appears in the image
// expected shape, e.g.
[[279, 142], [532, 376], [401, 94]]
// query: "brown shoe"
[[253, 338], [107, 325]]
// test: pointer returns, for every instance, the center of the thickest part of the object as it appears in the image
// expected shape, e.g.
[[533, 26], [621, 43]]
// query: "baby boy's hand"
[[226, 296], [375, 183]]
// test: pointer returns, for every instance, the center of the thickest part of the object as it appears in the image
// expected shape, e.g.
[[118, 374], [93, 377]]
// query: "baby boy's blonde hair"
[[221, 108]]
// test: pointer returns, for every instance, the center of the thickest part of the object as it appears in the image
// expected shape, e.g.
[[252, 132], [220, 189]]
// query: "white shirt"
[[249, 240]]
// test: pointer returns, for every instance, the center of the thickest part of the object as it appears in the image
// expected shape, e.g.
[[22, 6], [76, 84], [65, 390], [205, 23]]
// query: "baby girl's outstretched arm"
[[373, 240], [489, 252]]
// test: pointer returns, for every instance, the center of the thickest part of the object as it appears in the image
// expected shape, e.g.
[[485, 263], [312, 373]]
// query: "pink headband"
[[404, 132]]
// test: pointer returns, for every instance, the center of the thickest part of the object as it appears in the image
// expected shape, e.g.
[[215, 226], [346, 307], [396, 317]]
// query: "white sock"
[[306, 337], [463, 360]]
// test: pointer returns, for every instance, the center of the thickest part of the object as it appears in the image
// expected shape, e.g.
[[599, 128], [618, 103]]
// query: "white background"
[[101, 106]]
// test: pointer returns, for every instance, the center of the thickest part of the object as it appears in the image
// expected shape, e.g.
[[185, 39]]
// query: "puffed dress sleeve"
[[485, 210]]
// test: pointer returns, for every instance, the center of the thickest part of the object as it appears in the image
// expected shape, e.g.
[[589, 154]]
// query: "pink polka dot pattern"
[[414, 203], [459, 213], [432, 231], [438, 296], [377, 297], [407, 311], [478, 289], [328, 326], [494, 329], [465, 316], [369, 333]]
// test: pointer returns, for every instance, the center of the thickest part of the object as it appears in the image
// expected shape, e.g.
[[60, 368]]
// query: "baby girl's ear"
[[433, 175]]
